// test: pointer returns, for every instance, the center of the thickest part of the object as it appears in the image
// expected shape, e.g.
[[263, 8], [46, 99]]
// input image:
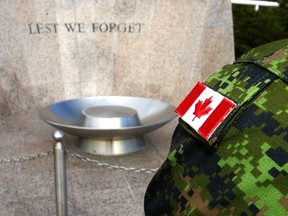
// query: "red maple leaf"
[[202, 109]]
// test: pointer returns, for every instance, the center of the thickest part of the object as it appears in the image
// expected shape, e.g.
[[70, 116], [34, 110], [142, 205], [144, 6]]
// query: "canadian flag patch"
[[204, 109]]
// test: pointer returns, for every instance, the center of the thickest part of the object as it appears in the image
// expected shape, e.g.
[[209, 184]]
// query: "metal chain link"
[[111, 166], [80, 157], [26, 158]]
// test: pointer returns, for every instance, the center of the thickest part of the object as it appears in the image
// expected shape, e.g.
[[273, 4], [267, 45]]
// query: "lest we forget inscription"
[[47, 28]]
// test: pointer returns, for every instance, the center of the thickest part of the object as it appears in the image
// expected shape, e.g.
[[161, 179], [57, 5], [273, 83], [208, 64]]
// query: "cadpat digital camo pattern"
[[243, 169]]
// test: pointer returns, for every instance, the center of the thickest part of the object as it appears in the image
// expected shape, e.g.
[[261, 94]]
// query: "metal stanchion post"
[[60, 174]]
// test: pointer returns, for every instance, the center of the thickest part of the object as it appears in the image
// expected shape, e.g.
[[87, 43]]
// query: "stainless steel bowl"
[[109, 125]]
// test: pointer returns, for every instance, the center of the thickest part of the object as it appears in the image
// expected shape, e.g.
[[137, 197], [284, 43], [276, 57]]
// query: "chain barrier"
[[82, 158], [111, 166], [26, 158]]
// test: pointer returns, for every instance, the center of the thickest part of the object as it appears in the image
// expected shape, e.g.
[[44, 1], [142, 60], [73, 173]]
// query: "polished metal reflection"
[[109, 125], [109, 117]]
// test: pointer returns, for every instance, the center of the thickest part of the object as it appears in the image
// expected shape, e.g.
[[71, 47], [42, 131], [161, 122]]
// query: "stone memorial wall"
[[53, 50]]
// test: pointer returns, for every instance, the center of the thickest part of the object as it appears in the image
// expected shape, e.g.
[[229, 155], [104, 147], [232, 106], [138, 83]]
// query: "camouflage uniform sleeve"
[[247, 174]]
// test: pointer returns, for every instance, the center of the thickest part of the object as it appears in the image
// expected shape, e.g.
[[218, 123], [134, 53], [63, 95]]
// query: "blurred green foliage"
[[253, 28]]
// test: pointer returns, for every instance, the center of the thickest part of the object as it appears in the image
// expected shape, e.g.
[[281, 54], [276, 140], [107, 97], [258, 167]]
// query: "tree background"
[[253, 28]]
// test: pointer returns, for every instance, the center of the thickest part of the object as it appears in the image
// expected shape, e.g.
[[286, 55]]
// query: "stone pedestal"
[[53, 50]]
